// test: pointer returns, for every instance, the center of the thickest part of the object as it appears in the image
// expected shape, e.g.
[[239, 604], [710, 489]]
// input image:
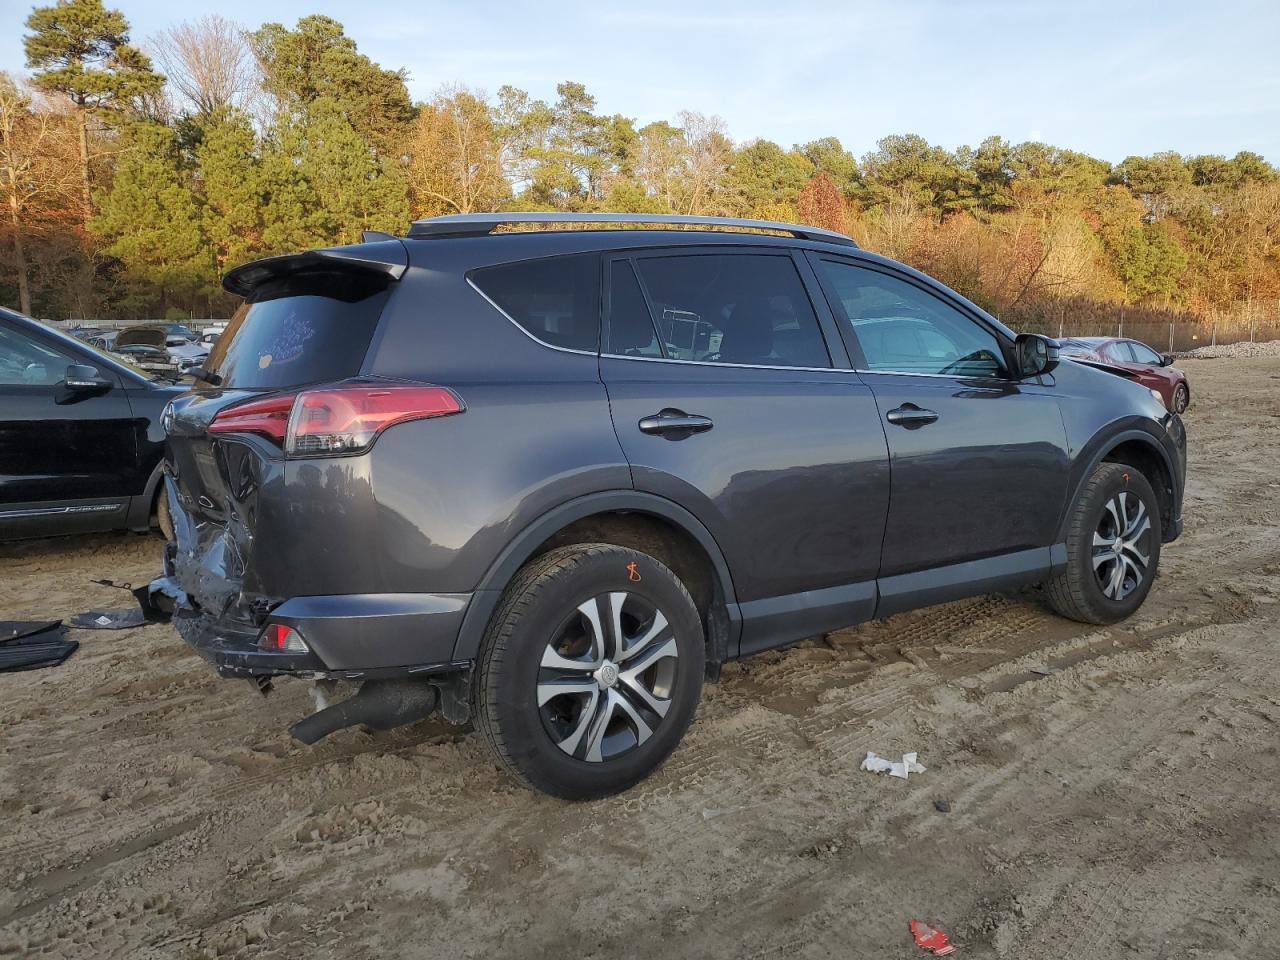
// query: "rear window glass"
[[304, 329], [733, 308], [556, 300]]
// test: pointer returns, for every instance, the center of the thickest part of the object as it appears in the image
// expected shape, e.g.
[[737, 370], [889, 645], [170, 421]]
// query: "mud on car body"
[[551, 480]]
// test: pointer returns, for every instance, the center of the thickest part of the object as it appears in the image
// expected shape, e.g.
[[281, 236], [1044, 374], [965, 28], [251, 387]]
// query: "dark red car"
[[1149, 368]]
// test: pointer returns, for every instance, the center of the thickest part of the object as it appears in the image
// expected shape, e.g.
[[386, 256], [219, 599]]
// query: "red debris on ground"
[[931, 939]]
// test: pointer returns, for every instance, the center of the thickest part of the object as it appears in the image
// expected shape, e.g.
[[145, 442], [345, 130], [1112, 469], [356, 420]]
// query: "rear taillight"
[[335, 420], [348, 419], [267, 418], [280, 638]]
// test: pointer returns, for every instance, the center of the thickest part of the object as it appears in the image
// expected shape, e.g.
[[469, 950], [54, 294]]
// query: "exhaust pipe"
[[379, 704]]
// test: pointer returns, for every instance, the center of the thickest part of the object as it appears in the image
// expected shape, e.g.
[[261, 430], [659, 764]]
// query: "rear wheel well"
[[1143, 457], [675, 548]]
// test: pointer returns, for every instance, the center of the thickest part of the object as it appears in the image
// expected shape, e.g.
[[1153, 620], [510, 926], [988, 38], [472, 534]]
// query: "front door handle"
[[910, 416], [675, 424]]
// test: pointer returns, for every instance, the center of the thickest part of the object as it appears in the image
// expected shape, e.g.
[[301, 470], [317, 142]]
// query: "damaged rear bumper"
[[356, 636], [222, 612]]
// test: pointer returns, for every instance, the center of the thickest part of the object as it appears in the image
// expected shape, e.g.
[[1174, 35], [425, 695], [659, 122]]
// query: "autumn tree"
[[455, 156], [81, 50], [661, 162], [38, 172], [820, 204], [208, 62]]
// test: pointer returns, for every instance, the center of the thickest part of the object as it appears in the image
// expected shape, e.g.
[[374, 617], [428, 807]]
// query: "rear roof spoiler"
[[386, 257]]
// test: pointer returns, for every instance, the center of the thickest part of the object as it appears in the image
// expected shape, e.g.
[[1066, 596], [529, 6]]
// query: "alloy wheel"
[[607, 676], [1121, 548]]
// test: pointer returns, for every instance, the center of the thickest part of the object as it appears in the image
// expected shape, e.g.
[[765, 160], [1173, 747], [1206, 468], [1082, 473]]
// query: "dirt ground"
[[1111, 793]]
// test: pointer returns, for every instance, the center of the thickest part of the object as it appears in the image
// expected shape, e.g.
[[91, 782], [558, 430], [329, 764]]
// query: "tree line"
[[134, 175]]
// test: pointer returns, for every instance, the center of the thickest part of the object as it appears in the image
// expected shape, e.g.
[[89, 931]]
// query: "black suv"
[[80, 437], [550, 480]]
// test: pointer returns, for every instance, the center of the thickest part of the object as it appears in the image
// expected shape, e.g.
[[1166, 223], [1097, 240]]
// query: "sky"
[[1110, 79]]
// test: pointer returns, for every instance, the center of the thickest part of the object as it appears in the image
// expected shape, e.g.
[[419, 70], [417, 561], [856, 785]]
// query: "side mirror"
[[84, 380], [1035, 354], [1166, 359]]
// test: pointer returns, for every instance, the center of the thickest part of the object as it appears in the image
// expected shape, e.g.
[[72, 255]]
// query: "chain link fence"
[[1163, 331]]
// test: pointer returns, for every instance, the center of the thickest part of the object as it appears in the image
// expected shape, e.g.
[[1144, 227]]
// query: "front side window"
[[26, 362], [556, 300], [1144, 354], [904, 329], [732, 308]]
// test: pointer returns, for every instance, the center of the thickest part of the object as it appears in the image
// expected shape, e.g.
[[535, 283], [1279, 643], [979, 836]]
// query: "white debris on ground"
[[894, 768], [1224, 351]]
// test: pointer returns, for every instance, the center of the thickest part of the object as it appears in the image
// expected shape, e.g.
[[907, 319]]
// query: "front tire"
[[1181, 398], [590, 672], [1113, 547]]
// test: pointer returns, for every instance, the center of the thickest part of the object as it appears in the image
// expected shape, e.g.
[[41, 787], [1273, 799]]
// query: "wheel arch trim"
[[521, 547], [140, 506], [1107, 445]]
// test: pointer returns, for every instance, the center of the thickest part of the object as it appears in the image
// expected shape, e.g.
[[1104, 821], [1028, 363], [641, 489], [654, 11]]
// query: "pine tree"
[[318, 60], [354, 191], [233, 189], [289, 201], [150, 221], [80, 49]]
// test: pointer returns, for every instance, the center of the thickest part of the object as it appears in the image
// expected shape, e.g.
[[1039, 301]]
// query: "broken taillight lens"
[[348, 419], [268, 418], [281, 638]]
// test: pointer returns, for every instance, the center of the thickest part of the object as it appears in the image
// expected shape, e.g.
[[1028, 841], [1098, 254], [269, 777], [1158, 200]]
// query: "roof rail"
[[481, 224]]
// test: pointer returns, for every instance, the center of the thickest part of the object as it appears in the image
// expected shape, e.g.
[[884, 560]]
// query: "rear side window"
[[631, 331], [556, 300], [299, 330], [733, 308], [1120, 352]]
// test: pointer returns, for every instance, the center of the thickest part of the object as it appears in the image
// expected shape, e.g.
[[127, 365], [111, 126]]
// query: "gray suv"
[[548, 480]]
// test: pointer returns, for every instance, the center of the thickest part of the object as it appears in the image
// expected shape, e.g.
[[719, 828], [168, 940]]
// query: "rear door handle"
[[675, 424], [909, 415]]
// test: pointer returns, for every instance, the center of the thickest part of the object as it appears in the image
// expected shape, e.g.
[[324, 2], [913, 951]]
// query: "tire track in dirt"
[[167, 807], [1145, 731]]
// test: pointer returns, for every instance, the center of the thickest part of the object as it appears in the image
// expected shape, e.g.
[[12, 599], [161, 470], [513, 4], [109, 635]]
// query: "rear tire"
[[1181, 398], [590, 672], [163, 519], [1113, 547]]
